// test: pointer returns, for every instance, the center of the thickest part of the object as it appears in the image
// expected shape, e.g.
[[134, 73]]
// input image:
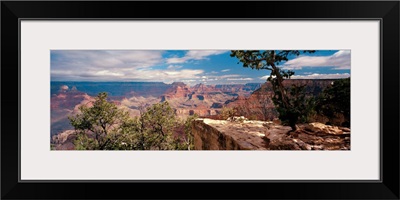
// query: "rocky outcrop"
[[239, 88], [322, 128], [64, 140], [185, 112], [178, 90], [243, 134], [200, 99], [259, 104], [225, 135], [68, 99], [63, 105], [202, 88]]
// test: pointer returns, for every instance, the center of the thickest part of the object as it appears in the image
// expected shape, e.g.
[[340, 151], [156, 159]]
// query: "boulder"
[[260, 135], [317, 127]]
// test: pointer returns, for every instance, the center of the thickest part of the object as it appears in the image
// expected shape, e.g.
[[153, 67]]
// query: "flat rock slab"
[[212, 134]]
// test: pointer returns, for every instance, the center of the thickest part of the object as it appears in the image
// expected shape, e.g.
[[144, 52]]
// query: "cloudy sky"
[[191, 67]]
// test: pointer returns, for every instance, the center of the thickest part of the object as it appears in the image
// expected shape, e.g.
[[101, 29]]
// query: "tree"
[[98, 125], [189, 138], [103, 126], [336, 100], [185, 141], [158, 124], [227, 113], [264, 103], [157, 129], [286, 100]]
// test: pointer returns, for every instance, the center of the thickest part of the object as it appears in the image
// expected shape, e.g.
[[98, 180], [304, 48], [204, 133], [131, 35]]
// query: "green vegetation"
[[186, 142], [291, 103], [335, 100], [103, 126], [228, 113]]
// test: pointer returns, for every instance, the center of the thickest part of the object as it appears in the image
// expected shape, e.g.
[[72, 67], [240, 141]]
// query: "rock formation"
[[64, 140], [200, 99], [259, 104], [260, 135], [62, 105], [225, 135]]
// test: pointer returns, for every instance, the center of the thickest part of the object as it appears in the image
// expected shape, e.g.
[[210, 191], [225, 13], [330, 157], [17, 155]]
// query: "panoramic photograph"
[[200, 100]]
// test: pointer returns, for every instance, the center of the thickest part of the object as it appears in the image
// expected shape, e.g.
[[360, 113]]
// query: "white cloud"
[[227, 76], [339, 60], [225, 70], [75, 62], [222, 77], [176, 60], [174, 66], [266, 77], [239, 79], [316, 76], [190, 80], [214, 72], [102, 65], [322, 76], [164, 75], [108, 73], [194, 55], [201, 54]]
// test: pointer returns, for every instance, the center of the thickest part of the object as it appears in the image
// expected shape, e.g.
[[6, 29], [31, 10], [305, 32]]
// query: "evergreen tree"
[[291, 102], [97, 125], [336, 100], [105, 127]]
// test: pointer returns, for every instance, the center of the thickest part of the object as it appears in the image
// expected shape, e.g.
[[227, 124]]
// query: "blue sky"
[[191, 67]]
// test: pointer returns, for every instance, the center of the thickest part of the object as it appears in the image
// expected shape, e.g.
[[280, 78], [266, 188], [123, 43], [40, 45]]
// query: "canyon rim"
[[200, 100]]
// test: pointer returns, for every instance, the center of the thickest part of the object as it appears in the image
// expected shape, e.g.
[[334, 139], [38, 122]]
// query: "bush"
[[228, 113], [335, 101], [105, 127]]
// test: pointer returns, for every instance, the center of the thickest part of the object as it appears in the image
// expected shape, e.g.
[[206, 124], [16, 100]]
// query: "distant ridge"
[[114, 88]]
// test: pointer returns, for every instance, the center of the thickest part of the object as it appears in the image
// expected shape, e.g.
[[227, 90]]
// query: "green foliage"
[[132, 135], [291, 102], [228, 112], [158, 122], [301, 105], [101, 121], [105, 127], [187, 141], [83, 142], [335, 100]]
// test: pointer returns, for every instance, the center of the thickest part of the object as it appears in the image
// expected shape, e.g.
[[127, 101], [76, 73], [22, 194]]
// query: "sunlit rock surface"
[[243, 134]]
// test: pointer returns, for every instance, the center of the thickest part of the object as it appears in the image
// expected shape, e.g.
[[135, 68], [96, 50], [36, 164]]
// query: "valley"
[[252, 100], [200, 99]]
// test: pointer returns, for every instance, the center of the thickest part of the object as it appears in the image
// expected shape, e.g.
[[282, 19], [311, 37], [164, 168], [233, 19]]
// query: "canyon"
[[200, 99], [252, 100]]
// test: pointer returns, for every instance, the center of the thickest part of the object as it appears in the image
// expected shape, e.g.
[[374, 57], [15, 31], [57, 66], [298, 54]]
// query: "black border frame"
[[386, 11], [210, 180]]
